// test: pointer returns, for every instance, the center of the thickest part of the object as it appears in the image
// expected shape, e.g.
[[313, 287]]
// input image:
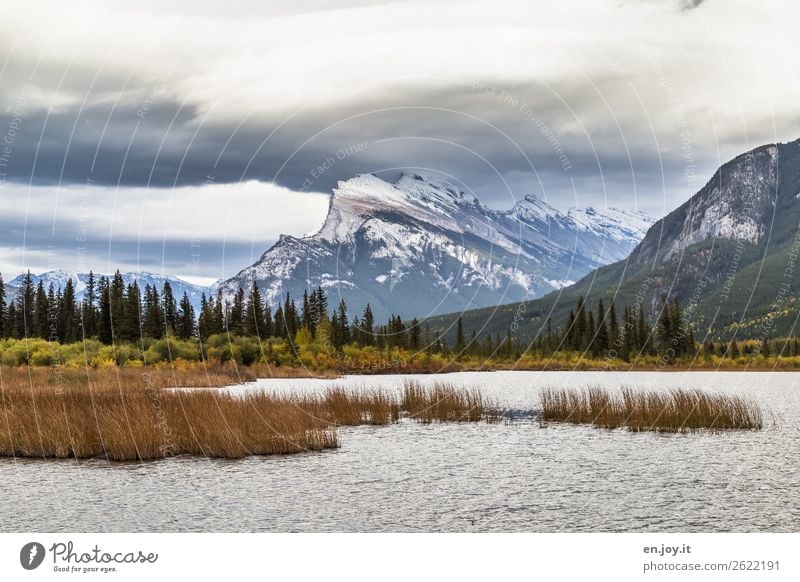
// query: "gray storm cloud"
[[582, 103]]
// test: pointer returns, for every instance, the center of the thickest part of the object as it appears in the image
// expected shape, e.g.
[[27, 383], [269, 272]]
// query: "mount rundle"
[[420, 246]]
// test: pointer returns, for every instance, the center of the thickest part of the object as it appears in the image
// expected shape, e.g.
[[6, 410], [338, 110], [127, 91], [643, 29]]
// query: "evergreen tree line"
[[113, 311], [601, 332], [110, 310]]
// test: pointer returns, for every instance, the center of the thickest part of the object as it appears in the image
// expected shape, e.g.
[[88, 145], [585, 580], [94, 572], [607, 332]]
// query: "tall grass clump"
[[676, 410], [343, 407], [140, 424], [443, 402]]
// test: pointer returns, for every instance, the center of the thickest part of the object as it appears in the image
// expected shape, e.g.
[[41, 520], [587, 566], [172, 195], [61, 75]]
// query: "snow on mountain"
[[421, 246], [59, 278]]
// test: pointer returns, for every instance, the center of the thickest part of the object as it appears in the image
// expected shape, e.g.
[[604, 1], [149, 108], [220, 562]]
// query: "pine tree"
[[42, 312], [68, 314], [11, 319], [581, 336], [185, 329], [129, 329], [613, 325], [368, 326], [569, 334], [3, 309], [104, 325], [269, 327], [644, 334], [309, 317], [153, 314], [414, 334], [628, 334], [342, 329], [280, 323], [25, 305], [89, 309], [170, 307], [291, 318], [254, 313], [601, 334], [205, 319], [591, 334], [219, 313], [460, 344], [665, 328], [679, 336], [117, 301]]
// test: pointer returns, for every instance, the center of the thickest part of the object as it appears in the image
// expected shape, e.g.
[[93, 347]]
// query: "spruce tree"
[[89, 309], [219, 313], [130, 328], [68, 314], [117, 302], [254, 318], [581, 335], [460, 343], [42, 312], [185, 329], [601, 334], [269, 327], [343, 327], [279, 323], [170, 307], [11, 321], [613, 325], [25, 305], [368, 326], [3, 309], [205, 319], [591, 334], [104, 325], [414, 335], [152, 313]]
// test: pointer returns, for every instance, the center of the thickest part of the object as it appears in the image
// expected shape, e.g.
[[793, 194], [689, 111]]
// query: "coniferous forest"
[[118, 323]]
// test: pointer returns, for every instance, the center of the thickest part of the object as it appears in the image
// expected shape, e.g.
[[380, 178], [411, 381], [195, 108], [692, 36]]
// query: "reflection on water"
[[469, 477]]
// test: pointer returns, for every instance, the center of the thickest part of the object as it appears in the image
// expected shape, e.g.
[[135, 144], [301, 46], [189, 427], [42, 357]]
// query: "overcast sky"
[[184, 137]]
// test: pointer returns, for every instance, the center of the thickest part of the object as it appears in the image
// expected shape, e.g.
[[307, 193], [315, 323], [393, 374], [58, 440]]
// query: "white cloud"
[[246, 212]]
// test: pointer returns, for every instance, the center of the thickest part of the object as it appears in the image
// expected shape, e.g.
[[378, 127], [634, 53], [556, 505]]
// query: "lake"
[[509, 476]]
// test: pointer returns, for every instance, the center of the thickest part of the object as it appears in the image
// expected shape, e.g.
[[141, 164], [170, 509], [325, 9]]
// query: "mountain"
[[730, 255], [421, 246], [59, 279]]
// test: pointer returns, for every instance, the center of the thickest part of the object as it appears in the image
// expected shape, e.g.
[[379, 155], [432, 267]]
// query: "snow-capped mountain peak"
[[422, 245], [532, 208]]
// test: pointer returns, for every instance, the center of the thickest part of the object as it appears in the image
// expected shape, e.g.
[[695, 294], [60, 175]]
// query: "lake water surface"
[[515, 476]]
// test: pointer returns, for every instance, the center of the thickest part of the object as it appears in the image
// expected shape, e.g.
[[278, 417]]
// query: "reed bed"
[[342, 407], [137, 424], [443, 402], [646, 410], [136, 415]]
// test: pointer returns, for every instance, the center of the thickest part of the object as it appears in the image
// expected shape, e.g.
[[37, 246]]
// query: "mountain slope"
[[728, 254], [420, 246]]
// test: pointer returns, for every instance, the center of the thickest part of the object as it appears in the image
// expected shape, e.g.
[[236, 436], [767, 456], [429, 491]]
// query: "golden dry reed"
[[142, 424], [125, 414], [646, 410], [442, 402]]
